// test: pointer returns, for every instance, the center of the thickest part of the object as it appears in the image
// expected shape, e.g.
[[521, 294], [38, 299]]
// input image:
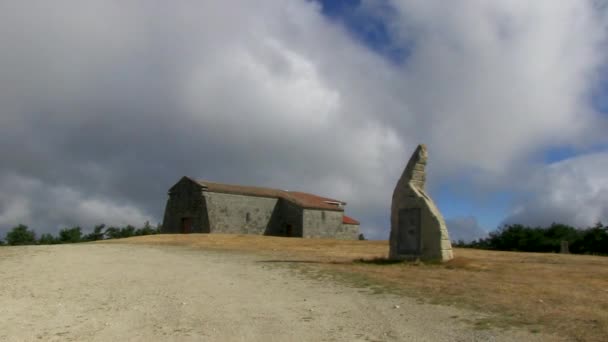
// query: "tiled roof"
[[306, 200], [349, 220], [302, 199]]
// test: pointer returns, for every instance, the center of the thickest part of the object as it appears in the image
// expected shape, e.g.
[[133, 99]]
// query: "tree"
[[147, 229], [21, 235], [127, 231], [97, 233], [595, 240], [70, 235], [47, 239], [361, 237], [112, 233]]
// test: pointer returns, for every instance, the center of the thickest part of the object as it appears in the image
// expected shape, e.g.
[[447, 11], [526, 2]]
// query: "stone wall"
[[348, 232], [240, 214], [186, 200], [219, 212], [327, 224]]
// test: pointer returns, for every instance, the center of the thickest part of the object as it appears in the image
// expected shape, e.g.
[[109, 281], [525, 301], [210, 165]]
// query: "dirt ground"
[[565, 295], [125, 292]]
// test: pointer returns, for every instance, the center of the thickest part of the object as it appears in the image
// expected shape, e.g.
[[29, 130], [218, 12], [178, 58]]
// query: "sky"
[[105, 104]]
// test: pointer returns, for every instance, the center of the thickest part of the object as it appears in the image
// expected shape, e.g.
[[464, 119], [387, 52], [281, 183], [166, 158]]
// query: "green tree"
[[595, 240], [47, 239], [21, 235], [70, 235], [97, 233], [147, 229], [112, 233], [127, 231]]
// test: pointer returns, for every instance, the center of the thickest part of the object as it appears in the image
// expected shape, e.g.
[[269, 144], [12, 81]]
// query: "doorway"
[[186, 227], [288, 230], [408, 241]]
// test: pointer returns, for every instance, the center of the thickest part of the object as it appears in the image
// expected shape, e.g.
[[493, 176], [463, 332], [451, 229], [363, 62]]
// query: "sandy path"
[[97, 292]]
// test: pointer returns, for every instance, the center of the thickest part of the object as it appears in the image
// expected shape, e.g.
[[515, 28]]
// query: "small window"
[[323, 215], [247, 217]]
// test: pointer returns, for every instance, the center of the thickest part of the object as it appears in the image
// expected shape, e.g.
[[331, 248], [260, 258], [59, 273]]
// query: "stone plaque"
[[409, 231]]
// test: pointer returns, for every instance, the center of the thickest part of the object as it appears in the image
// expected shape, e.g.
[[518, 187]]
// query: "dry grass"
[[564, 294]]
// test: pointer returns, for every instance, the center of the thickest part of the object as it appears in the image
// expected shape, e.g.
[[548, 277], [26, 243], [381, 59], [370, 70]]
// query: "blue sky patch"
[[557, 154], [460, 199], [368, 28]]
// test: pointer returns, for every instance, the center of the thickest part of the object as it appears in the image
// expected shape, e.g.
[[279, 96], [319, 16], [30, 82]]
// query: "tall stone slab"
[[418, 230]]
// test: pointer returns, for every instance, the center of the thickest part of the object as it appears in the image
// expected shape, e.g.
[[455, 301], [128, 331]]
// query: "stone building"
[[205, 207]]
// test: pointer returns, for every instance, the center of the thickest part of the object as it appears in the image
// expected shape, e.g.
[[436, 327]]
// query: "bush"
[[21, 235]]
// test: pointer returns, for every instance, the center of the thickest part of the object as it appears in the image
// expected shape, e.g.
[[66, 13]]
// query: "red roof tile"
[[302, 199], [349, 220]]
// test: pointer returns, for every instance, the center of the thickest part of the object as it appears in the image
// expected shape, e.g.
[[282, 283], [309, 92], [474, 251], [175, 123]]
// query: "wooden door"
[[186, 225], [289, 230]]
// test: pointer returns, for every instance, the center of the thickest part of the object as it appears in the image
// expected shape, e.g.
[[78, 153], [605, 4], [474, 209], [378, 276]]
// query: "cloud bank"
[[106, 104]]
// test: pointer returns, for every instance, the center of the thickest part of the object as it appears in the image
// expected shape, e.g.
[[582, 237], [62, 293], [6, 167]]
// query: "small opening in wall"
[[247, 217], [323, 215], [288, 230]]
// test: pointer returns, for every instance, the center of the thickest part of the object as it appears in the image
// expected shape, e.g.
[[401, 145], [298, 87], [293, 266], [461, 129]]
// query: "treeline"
[[23, 235], [517, 237]]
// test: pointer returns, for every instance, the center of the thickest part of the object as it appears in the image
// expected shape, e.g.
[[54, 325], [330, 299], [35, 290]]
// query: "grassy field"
[[564, 294]]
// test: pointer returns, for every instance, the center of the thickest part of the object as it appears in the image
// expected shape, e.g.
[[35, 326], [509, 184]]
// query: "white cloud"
[[573, 191], [494, 81], [112, 102]]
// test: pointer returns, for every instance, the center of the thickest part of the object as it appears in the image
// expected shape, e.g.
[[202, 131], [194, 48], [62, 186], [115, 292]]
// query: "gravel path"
[[112, 292]]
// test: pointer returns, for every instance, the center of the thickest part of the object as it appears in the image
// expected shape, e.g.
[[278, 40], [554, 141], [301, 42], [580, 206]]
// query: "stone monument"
[[418, 230]]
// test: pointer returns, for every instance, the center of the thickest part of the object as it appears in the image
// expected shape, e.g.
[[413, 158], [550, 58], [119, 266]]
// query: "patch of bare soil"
[[553, 293], [138, 292]]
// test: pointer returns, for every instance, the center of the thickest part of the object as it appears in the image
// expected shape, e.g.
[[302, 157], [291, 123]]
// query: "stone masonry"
[[418, 230], [205, 207]]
